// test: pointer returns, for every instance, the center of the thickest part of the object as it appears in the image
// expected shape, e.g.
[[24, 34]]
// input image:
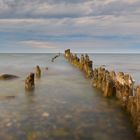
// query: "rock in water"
[[29, 82], [7, 77]]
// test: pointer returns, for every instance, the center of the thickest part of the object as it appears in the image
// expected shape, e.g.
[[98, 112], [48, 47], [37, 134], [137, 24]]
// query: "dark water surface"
[[63, 106]]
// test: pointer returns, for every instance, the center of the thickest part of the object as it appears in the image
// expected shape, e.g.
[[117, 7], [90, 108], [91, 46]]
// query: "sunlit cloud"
[[38, 44]]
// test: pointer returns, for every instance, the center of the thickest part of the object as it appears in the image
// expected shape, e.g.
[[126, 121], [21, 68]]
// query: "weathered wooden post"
[[86, 63], [38, 72], [82, 61], [89, 69], [67, 53], [29, 82], [95, 77], [76, 61]]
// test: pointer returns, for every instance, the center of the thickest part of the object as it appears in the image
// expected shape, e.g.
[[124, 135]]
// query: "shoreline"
[[112, 85]]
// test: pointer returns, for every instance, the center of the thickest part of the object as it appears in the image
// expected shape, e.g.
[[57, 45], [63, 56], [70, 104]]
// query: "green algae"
[[60, 132], [36, 135]]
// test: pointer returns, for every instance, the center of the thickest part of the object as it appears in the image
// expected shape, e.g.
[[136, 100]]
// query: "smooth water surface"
[[63, 106]]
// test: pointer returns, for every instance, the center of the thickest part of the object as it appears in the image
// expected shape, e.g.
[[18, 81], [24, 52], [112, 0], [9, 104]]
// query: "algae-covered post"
[[119, 85], [86, 65], [83, 63], [124, 87], [29, 82], [75, 60], [67, 53], [38, 71]]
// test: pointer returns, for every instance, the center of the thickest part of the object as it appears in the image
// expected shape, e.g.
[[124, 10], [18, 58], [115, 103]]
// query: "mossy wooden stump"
[[67, 53], [29, 82], [38, 72]]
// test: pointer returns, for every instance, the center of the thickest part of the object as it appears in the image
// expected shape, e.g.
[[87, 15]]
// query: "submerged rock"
[[45, 114], [8, 77], [7, 97], [9, 124]]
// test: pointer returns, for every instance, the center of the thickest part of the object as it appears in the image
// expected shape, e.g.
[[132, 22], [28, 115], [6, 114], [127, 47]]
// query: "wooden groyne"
[[118, 85], [83, 63], [55, 57]]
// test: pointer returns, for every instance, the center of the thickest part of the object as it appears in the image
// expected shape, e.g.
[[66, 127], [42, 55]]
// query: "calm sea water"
[[64, 105]]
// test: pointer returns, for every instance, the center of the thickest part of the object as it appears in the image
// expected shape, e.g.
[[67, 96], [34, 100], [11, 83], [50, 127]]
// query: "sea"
[[63, 105]]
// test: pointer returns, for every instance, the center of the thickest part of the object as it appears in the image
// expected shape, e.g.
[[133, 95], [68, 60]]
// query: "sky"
[[90, 26]]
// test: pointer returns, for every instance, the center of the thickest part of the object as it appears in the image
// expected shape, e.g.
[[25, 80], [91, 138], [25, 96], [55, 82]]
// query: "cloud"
[[41, 8], [90, 26], [37, 44], [66, 8], [55, 24], [118, 7]]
